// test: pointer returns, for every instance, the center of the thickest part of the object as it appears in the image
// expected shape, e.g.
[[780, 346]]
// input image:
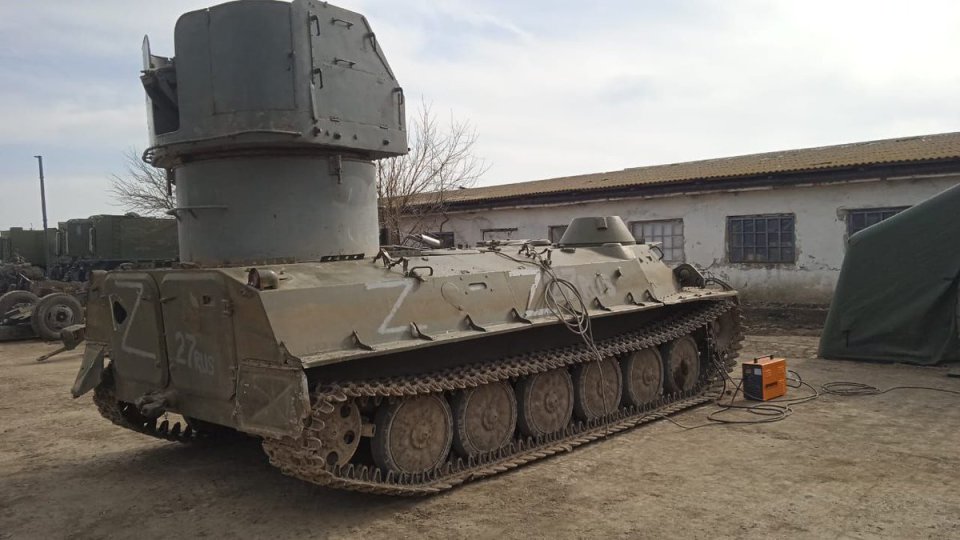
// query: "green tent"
[[897, 297]]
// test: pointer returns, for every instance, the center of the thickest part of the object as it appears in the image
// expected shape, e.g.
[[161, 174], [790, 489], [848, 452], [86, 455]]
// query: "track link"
[[302, 457], [127, 416]]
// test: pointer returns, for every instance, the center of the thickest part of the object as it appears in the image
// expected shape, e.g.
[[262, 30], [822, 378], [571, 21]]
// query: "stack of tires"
[[47, 316]]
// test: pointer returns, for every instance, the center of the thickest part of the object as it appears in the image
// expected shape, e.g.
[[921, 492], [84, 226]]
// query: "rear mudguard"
[[91, 369]]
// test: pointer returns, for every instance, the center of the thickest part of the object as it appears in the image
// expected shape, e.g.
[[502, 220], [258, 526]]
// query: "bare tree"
[[143, 188], [414, 188]]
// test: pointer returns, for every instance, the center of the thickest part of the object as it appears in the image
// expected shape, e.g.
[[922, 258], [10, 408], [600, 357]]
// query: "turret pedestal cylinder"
[[246, 210]]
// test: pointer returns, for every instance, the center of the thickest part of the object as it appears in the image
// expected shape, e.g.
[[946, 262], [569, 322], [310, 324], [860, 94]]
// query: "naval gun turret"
[[402, 372], [269, 118]]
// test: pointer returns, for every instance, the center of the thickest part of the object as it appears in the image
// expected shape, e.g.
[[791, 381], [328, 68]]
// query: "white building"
[[774, 225]]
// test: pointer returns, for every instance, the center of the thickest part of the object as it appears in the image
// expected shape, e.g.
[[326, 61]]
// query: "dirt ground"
[[779, 319], [863, 467]]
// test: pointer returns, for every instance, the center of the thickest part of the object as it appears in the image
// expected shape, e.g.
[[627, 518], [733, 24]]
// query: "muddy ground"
[[866, 467]]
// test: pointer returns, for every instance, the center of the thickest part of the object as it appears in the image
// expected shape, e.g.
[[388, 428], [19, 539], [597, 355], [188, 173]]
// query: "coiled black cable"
[[850, 388]]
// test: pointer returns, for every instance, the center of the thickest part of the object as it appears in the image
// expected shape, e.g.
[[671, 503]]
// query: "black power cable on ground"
[[780, 408], [848, 388], [768, 411]]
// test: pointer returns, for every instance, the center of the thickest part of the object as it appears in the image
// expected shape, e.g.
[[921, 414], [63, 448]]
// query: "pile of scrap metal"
[[13, 275], [26, 314]]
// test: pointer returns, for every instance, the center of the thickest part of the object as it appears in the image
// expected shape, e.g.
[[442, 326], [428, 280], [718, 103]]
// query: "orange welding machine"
[[764, 378]]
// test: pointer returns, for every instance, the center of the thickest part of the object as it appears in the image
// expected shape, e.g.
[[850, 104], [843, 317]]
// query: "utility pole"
[[43, 207]]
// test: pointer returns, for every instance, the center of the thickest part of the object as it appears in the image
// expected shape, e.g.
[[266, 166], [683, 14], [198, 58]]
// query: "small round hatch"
[[594, 231]]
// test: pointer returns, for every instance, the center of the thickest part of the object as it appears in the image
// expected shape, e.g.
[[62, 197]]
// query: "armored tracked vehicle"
[[366, 368]]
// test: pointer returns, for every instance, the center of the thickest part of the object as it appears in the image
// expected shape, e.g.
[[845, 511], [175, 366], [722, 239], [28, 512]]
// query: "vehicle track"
[[304, 457]]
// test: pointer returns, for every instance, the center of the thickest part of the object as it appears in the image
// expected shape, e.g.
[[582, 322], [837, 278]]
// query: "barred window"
[[668, 232], [556, 233], [858, 220], [501, 234], [768, 238]]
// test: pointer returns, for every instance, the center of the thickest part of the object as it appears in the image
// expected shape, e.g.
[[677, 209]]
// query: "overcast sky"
[[554, 87]]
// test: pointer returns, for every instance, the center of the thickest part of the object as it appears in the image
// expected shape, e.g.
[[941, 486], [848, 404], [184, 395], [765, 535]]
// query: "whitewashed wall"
[[820, 228]]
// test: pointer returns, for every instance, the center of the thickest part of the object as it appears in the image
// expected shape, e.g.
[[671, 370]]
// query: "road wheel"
[[484, 418], [598, 385], [53, 313], [545, 402], [413, 435], [682, 365], [642, 376], [15, 299]]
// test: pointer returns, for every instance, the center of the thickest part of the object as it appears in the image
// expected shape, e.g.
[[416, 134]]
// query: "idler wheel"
[[545, 402], [682, 365], [340, 434], [642, 376], [598, 386], [484, 418], [413, 435]]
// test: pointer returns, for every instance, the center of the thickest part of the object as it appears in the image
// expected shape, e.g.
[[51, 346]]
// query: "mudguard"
[[91, 369], [272, 401]]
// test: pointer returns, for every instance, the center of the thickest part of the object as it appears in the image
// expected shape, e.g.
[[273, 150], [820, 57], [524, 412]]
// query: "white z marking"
[[530, 312], [407, 285], [124, 346]]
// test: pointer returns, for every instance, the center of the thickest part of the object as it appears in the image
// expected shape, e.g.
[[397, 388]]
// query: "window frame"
[[851, 212], [751, 241], [508, 230], [672, 221]]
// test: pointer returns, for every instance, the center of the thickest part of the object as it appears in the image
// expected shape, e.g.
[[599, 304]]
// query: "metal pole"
[[43, 207]]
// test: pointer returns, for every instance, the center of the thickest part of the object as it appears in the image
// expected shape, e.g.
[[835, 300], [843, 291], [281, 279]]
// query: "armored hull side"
[[358, 337]]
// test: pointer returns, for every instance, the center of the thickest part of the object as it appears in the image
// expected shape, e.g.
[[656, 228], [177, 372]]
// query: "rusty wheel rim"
[[485, 418], [642, 376], [599, 385], [413, 435], [545, 402], [683, 364]]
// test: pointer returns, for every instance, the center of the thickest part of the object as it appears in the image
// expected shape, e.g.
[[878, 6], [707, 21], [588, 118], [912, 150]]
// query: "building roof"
[[924, 148]]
